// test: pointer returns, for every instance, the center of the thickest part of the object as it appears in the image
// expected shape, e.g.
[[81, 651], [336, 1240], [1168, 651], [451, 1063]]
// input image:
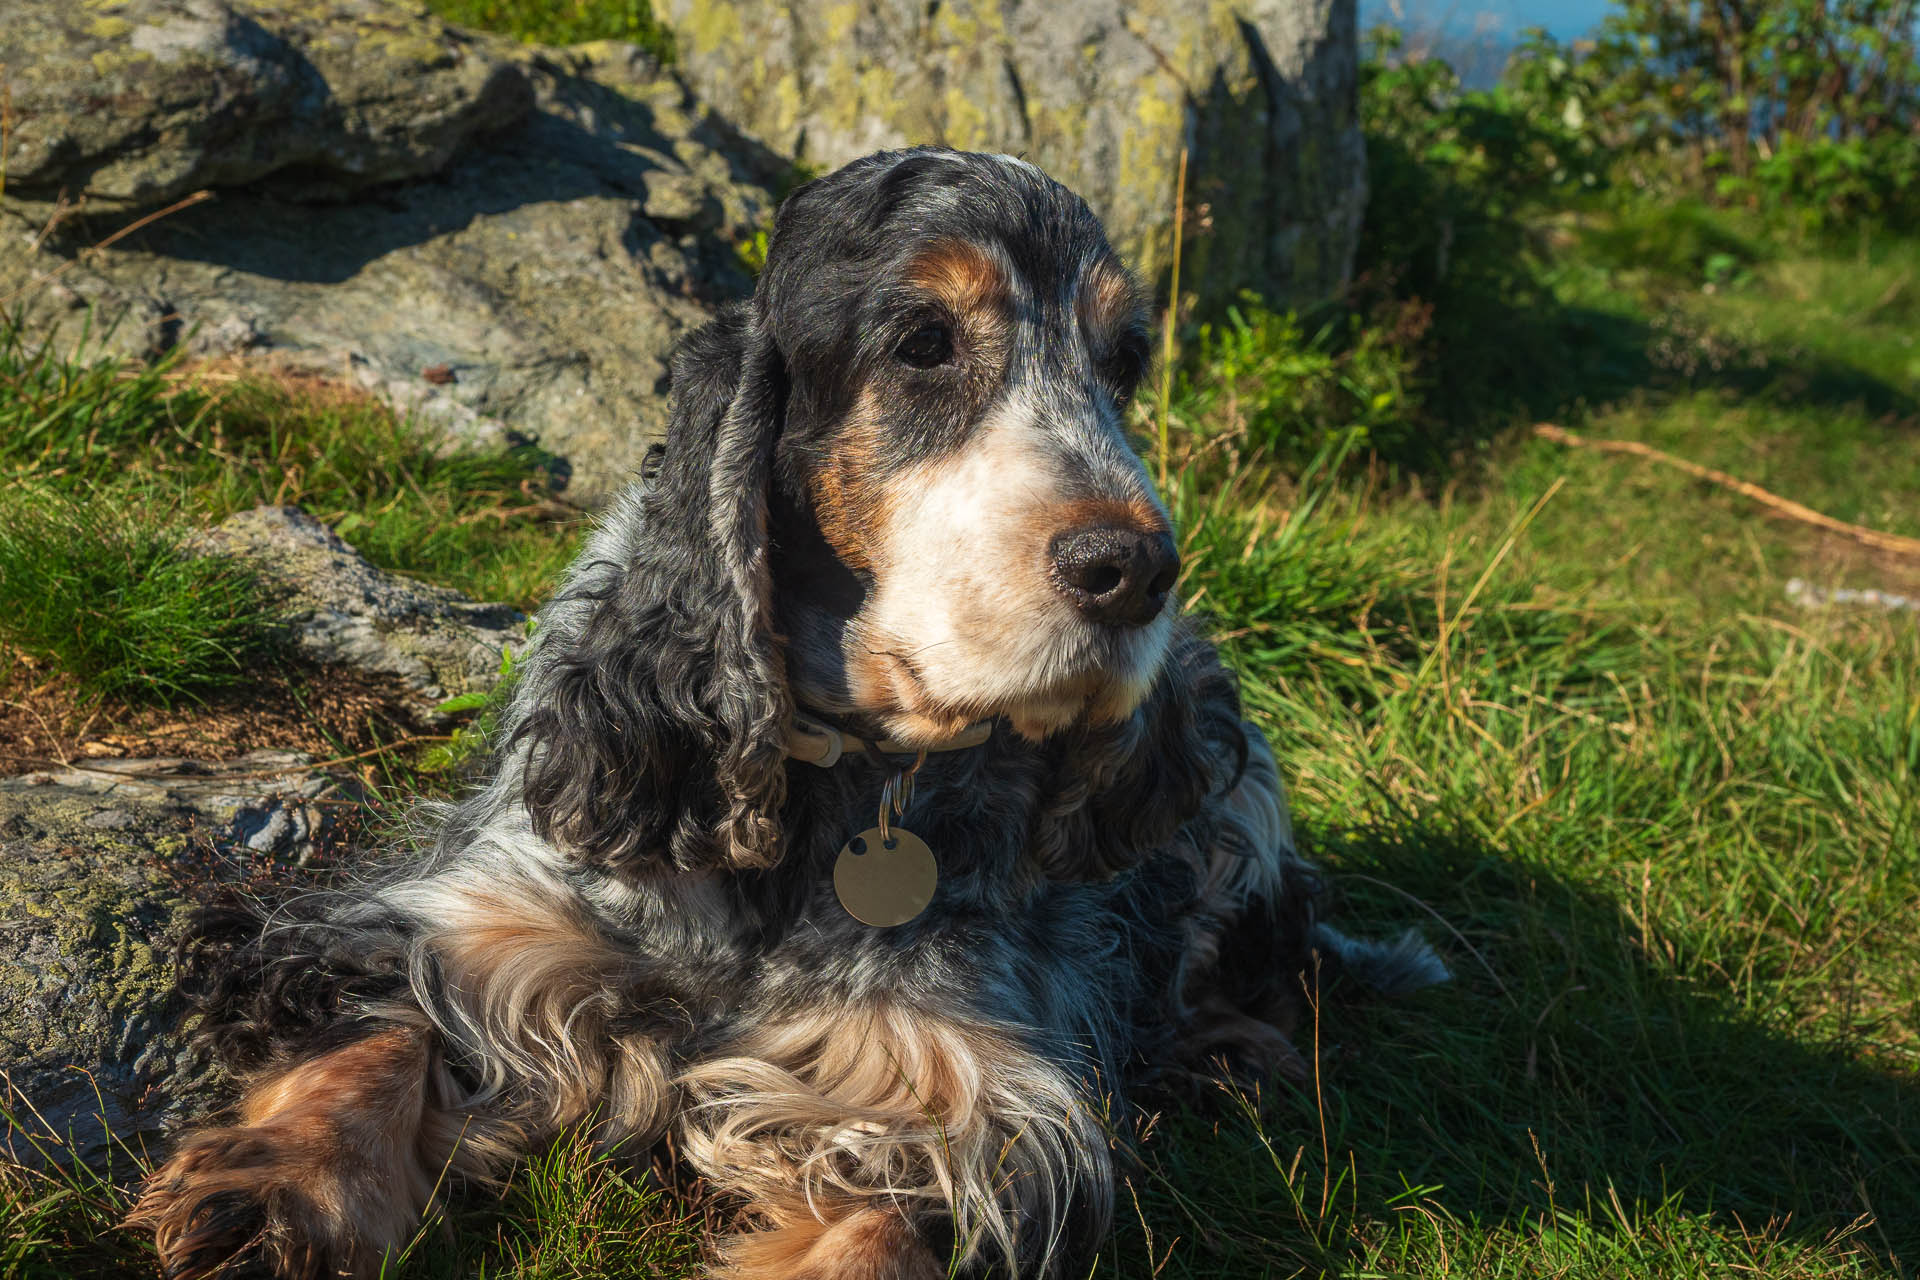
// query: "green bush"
[[1258, 383], [1456, 181], [1807, 106], [117, 602]]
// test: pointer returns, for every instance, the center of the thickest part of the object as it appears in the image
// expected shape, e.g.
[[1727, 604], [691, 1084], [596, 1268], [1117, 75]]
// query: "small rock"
[[110, 820], [345, 612]]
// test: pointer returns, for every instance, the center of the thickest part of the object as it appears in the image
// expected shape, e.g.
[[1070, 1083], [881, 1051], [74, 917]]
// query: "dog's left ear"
[[656, 714]]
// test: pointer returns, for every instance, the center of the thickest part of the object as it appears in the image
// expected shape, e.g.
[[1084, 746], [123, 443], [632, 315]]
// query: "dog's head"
[[958, 343], [895, 483]]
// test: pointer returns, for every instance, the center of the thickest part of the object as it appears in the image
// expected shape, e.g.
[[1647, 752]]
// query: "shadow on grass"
[[1570, 1093]]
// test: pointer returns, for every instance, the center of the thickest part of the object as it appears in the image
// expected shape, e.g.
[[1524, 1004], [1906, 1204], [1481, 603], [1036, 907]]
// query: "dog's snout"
[[1118, 576]]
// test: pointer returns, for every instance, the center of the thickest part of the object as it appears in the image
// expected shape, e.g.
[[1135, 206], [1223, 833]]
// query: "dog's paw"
[[241, 1197], [868, 1244]]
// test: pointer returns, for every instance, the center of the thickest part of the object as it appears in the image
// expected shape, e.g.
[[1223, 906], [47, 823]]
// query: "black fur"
[[636, 911]]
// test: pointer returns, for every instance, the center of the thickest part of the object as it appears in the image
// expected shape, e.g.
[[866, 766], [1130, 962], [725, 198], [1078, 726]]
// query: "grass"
[[206, 444], [119, 602], [1553, 711], [564, 21]]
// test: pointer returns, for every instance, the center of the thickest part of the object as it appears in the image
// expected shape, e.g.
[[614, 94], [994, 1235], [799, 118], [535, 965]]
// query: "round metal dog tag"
[[884, 883]]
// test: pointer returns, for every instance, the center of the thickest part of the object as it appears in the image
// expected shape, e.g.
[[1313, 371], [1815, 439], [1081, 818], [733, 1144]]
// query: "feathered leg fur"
[[330, 1164]]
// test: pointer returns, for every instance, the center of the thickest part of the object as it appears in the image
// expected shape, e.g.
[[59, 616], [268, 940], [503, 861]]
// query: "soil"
[[45, 721]]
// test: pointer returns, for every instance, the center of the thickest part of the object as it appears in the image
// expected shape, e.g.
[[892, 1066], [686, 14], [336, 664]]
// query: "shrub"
[[1455, 177], [1812, 105], [1259, 384]]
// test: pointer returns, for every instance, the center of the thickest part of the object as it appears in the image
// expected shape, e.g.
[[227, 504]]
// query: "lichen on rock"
[[100, 865], [1103, 95]]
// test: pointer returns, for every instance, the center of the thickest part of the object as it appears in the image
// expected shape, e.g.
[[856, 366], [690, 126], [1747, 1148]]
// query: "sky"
[[1564, 18]]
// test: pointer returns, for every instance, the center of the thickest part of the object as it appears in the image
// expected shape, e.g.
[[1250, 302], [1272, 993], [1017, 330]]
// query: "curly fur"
[[632, 922]]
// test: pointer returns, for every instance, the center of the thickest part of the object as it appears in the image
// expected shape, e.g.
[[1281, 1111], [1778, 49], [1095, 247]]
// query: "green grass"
[[117, 601], [1549, 707], [193, 446]]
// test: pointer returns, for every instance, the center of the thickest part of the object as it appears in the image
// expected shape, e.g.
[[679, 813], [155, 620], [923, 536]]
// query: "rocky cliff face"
[[503, 239], [509, 240], [1101, 94]]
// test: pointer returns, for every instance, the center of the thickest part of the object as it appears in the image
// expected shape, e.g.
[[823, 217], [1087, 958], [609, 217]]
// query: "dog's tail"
[[1395, 968]]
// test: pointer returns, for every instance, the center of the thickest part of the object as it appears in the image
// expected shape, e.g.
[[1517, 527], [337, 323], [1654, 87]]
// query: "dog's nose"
[[1113, 575]]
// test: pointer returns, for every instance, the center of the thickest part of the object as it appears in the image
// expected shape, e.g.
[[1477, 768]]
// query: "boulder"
[[139, 102], [532, 287], [1102, 94], [344, 612], [99, 866]]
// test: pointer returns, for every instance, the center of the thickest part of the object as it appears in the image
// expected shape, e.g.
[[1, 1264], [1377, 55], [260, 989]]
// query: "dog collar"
[[822, 745]]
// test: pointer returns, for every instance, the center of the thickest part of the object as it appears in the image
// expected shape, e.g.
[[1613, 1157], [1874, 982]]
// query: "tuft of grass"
[[198, 445], [59, 1216], [565, 21], [122, 604]]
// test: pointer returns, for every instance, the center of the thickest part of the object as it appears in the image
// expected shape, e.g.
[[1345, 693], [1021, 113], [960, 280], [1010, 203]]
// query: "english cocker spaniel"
[[865, 817]]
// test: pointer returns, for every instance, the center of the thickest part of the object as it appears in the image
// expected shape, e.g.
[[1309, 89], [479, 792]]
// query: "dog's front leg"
[[330, 1165], [332, 1158], [863, 1135]]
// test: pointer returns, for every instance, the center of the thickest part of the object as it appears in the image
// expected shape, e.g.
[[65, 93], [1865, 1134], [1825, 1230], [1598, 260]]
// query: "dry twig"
[[1893, 542]]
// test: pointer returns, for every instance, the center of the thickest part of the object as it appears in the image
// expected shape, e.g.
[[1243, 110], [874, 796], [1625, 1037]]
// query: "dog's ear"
[[1120, 791], [653, 721]]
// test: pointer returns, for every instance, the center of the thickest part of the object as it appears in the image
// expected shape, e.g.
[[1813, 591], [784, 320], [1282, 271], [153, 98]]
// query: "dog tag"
[[884, 884]]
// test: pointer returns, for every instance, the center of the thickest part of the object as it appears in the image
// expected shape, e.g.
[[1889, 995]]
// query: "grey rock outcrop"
[[345, 612], [533, 285], [99, 866], [1101, 94], [139, 102]]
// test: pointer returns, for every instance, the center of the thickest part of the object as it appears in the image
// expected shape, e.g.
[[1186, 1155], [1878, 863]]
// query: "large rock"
[[534, 286], [1102, 94], [99, 866], [137, 102], [344, 612]]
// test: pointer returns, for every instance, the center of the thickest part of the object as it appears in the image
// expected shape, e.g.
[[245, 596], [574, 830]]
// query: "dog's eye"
[[925, 347]]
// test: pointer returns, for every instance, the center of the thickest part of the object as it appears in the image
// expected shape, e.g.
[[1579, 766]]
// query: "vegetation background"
[[1553, 708]]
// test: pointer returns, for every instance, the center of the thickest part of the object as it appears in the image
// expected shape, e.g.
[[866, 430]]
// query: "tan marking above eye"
[[1109, 299], [966, 278]]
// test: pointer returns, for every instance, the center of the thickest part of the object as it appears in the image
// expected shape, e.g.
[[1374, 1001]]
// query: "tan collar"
[[823, 745]]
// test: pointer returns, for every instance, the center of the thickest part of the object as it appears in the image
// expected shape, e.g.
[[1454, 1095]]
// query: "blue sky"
[[1564, 18]]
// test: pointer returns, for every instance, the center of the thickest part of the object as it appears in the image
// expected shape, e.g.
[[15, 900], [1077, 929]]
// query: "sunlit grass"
[[1552, 710]]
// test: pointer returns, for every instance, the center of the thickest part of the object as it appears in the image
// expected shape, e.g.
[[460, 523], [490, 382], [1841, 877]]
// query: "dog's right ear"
[[653, 713]]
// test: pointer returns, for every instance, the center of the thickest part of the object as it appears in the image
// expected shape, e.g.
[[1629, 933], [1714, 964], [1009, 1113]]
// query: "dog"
[[866, 816]]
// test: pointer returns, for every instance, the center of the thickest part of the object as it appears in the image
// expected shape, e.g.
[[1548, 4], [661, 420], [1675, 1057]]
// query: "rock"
[[1101, 94], [138, 102], [344, 612], [534, 287], [99, 866]]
